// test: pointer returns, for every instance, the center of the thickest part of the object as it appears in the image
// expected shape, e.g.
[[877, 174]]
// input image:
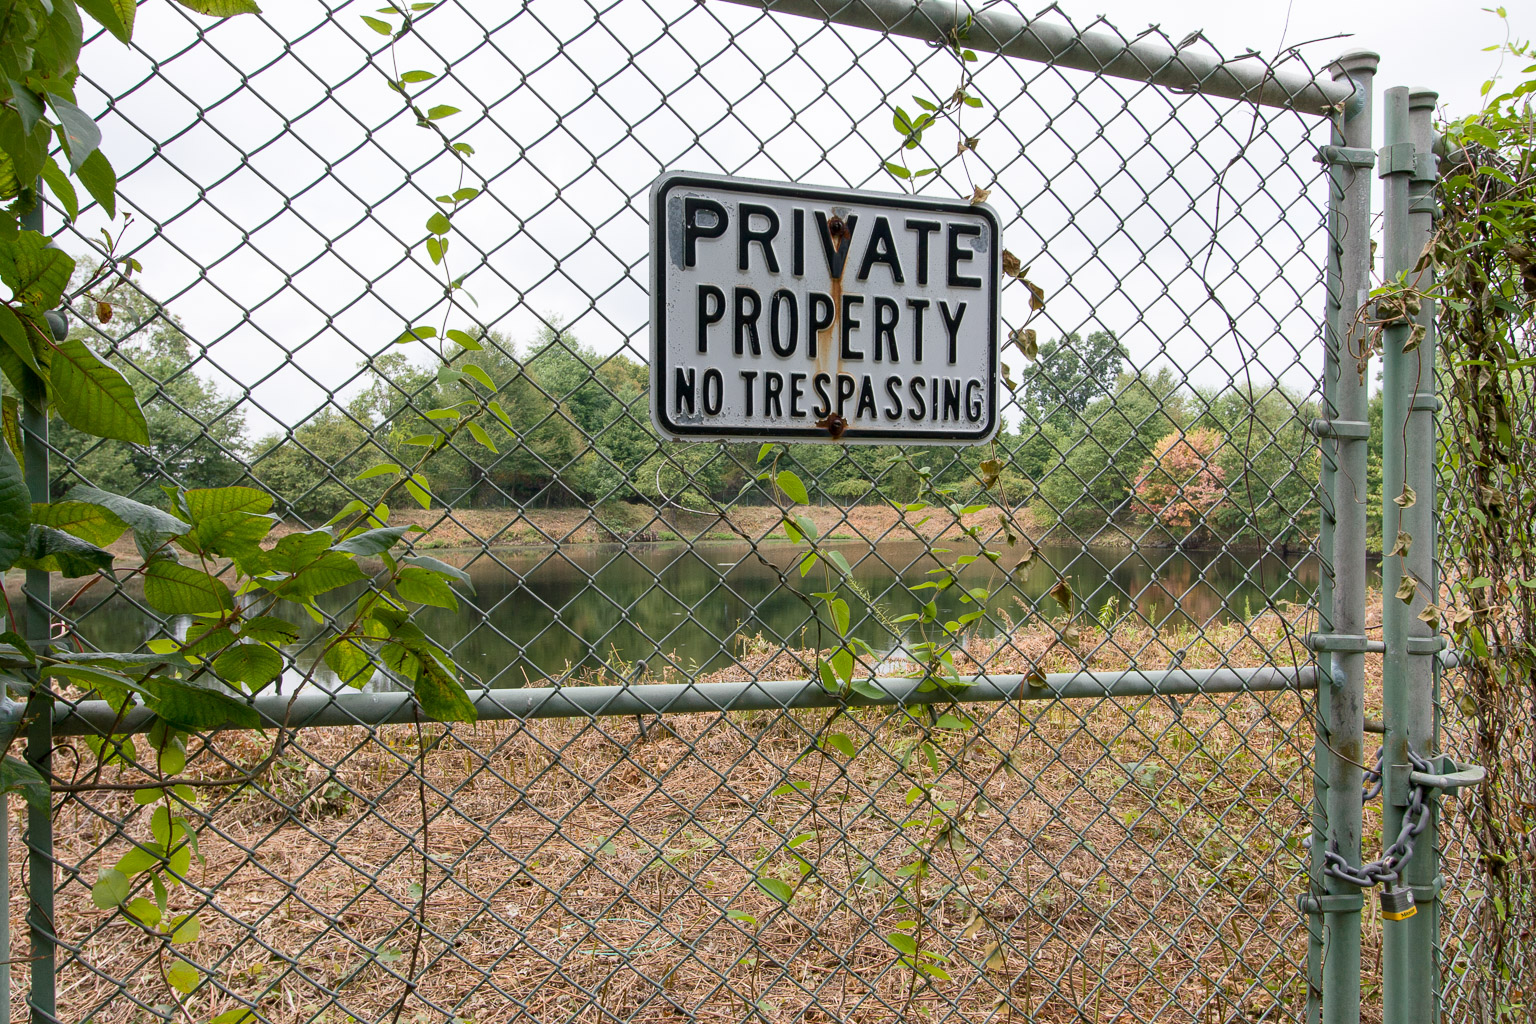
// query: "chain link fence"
[[661, 815]]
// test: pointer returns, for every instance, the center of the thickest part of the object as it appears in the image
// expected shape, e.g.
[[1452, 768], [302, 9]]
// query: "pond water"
[[541, 613]]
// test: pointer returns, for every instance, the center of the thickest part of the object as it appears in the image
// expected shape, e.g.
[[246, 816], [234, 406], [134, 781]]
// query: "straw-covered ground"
[[1038, 860]]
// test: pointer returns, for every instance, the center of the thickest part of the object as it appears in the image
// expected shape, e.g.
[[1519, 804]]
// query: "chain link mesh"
[[1133, 858]]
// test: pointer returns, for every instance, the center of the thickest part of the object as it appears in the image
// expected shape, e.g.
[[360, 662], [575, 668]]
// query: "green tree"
[[1069, 373], [196, 435]]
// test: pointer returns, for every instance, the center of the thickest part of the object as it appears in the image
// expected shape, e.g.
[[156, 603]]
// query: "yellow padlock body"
[[1399, 915]]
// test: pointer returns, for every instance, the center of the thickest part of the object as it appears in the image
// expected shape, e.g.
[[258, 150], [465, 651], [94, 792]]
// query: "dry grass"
[[1085, 860]]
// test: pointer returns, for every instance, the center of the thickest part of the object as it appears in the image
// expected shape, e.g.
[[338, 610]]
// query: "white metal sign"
[[795, 313]]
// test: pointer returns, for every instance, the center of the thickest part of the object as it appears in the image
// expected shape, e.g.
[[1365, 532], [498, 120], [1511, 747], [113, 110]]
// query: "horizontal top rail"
[[1147, 59], [320, 708]]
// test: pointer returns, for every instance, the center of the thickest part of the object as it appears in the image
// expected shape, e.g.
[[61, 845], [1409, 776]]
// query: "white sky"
[[278, 230]]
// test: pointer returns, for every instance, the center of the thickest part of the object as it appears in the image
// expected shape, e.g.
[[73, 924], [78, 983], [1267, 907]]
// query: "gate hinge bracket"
[[1397, 159], [1348, 156], [1330, 903]]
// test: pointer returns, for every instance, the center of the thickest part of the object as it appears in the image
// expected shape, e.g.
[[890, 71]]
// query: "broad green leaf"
[[100, 180], [478, 433], [479, 376], [210, 501], [441, 696], [142, 908], [438, 223], [92, 396], [221, 8], [382, 469], [35, 273], [232, 533], [842, 743], [793, 489], [254, 664], [51, 550], [116, 16], [465, 341], [840, 560], [197, 708], [17, 776], [183, 977], [82, 136], [775, 887], [15, 510], [412, 77], [331, 570], [16, 337], [350, 663], [185, 929], [239, 1015], [902, 941], [425, 587], [416, 334], [151, 524], [269, 628], [372, 542], [297, 550], [840, 616], [92, 523], [439, 566], [113, 687], [176, 589], [842, 663], [440, 111], [10, 426], [416, 486], [383, 28], [111, 889]]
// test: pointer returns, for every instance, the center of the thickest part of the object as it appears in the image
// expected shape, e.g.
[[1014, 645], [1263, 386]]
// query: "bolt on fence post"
[[39, 832], [1333, 953], [1411, 975]]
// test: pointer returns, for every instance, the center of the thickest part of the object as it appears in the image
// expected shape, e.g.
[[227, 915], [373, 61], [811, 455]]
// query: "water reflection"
[[544, 613]]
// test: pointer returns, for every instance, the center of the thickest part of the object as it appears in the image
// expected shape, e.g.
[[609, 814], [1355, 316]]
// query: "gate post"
[[1333, 905], [1410, 669]]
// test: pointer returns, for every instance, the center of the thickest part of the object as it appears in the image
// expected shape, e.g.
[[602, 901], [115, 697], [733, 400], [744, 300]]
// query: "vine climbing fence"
[[1065, 726]]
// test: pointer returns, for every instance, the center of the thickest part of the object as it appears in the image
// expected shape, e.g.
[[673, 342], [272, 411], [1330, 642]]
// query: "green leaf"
[[10, 426], [412, 77], [116, 16], [438, 566], [182, 976], [438, 223], [898, 170], [827, 675], [59, 184], [841, 616], [221, 8], [15, 510], [777, 888], [92, 523], [479, 376], [441, 696], [254, 665], [232, 534], [176, 589], [465, 341], [425, 587], [111, 889], [269, 628], [50, 550], [185, 929], [416, 486], [383, 28], [239, 1015], [81, 135], [17, 776], [208, 501], [479, 434], [150, 524], [902, 941], [842, 664], [35, 273], [440, 111], [350, 663], [372, 542], [793, 489], [93, 397], [196, 708], [840, 560], [841, 742], [141, 908], [328, 572], [416, 334], [382, 469]]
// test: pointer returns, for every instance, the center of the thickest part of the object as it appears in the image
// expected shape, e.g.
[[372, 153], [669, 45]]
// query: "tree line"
[[1099, 449]]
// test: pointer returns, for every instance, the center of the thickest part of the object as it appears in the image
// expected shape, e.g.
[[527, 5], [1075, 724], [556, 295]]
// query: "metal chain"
[[1373, 781], [1387, 867]]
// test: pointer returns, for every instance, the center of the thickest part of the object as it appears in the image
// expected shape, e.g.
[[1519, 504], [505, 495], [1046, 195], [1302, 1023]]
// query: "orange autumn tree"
[[1180, 482]]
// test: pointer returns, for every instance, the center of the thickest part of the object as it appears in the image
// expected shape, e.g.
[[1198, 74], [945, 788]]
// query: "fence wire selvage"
[[586, 709]]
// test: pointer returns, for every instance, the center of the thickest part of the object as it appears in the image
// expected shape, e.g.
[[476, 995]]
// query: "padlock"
[[1397, 903]]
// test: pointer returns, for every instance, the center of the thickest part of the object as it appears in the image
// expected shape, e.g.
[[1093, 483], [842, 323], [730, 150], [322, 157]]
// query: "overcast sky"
[[281, 192]]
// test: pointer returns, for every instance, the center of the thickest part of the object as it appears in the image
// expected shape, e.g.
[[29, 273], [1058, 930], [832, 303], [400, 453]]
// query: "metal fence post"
[[39, 832], [1333, 905], [1411, 974]]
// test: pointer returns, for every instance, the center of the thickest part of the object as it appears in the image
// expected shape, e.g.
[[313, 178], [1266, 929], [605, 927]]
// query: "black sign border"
[[669, 180]]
